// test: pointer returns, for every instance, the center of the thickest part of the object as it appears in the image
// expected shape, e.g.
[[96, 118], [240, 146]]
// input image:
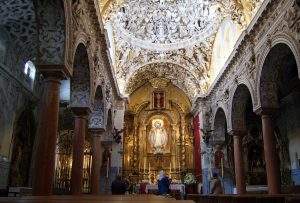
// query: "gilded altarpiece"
[[157, 137]]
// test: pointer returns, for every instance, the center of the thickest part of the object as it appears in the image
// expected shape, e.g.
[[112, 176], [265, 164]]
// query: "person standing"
[[216, 185], [118, 187], [163, 183]]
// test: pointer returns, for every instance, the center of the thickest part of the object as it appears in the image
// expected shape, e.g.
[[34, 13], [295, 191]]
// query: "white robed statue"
[[158, 136]]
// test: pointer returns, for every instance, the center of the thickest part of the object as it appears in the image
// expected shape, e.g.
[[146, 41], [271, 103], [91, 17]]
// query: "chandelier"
[[165, 25]]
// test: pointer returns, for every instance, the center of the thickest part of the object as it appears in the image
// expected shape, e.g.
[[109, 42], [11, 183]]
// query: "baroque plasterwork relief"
[[18, 19], [87, 29], [178, 75], [278, 23], [160, 32]]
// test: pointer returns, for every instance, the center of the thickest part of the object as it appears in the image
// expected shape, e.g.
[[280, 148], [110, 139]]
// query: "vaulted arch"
[[278, 76], [239, 102], [80, 81], [219, 125], [98, 108]]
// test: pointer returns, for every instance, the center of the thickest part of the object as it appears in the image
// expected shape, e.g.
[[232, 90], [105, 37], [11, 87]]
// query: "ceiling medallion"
[[159, 83], [164, 25]]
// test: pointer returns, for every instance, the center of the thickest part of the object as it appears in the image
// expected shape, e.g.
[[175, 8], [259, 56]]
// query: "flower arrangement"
[[189, 179]]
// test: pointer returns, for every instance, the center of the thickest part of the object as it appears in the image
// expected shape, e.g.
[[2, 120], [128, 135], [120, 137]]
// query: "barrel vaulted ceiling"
[[168, 38]]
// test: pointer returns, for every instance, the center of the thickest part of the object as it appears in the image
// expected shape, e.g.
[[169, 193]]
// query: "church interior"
[[201, 91]]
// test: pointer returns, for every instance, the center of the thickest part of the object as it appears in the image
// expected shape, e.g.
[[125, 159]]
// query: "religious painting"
[[158, 99]]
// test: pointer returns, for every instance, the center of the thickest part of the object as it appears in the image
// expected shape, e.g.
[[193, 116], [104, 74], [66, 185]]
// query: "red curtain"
[[197, 148]]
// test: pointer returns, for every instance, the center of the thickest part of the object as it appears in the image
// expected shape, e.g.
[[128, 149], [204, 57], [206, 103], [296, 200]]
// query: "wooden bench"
[[248, 198], [19, 191], [93, 199]]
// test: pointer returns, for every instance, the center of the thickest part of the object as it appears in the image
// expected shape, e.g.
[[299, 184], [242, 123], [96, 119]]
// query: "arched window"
[[30, 70], [225, 40]]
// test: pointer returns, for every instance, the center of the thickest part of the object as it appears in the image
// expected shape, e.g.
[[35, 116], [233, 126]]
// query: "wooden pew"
[[248, 198], [92, 199]]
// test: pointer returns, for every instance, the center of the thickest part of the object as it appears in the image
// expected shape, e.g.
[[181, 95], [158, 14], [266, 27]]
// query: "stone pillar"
[[96, 162], [271, 156], [81, 114], [239, 162], [46, 137]]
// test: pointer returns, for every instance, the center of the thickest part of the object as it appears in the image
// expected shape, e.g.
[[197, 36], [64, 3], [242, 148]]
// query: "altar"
[[150, 188], [157, 135]]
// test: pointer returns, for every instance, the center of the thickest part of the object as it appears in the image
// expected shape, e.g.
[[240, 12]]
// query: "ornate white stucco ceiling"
[[169, 38]]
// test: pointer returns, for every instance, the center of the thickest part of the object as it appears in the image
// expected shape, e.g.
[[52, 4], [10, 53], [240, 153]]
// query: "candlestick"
[[170, 168], [139, 166], [144, 165], [222, 167], [107, 168]]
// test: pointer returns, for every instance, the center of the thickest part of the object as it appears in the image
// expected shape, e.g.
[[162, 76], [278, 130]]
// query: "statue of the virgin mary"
[[158, 136]]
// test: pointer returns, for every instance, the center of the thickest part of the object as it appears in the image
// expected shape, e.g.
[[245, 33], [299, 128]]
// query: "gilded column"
[[81, 114]]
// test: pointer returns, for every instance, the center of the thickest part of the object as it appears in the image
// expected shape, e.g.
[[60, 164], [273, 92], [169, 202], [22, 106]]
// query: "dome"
[[165, 24]]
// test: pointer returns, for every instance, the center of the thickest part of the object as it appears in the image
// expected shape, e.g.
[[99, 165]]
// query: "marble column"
[[239, 162], [271, 156], [81, 114], [96, 162], [46, 137]]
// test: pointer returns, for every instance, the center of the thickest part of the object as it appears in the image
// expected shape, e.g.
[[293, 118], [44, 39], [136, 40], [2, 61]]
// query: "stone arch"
[[284, 38], [241, 96], [243, 120], [219, 125], [81, 80], [22, 147], [97, 115], [278, 62], [81, 38], [279, 89]]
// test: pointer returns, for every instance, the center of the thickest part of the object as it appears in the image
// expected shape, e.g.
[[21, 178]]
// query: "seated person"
[[118, 187], [163, 183]]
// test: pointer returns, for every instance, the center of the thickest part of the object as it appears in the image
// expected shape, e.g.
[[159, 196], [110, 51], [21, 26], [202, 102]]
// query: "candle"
[[210, 169], [107, 168], [139, 166], [149, 167], [118, 170], [170, 168], [144, 165]]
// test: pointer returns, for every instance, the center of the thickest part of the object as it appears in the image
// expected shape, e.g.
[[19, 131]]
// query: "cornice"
[[98, 26]]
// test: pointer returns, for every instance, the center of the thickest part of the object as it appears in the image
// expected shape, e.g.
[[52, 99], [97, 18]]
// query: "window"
[[30, 70]]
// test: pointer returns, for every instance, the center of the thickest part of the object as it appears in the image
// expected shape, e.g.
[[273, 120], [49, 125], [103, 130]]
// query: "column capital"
[[54, 71], [81, 111], [237, 133], [265, 111]]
